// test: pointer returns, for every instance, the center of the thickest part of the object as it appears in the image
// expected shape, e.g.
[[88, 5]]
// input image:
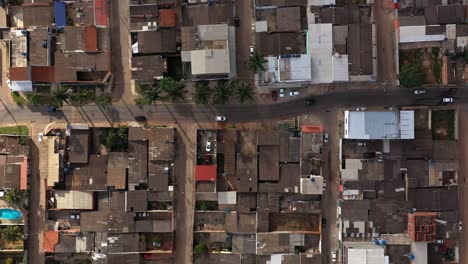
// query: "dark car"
[[274, 95], [236, 21], [141, 119], [308, 102], [324, 222], [369, 155], [51, 109]]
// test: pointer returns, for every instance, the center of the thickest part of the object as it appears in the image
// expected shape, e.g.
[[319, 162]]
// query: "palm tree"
[[244, 92], [222, 92], [11, 233], [174, 90], [15, 197], [82, 96], [60, 95], [202, 93], [35, 99], [255, 62], [150, 95]]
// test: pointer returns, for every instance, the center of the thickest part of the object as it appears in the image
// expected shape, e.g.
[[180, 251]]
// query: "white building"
[[379, 124], [364, 253]]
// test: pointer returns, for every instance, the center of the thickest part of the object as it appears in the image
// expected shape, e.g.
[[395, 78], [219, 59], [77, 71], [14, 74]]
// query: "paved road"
[[189, 113], [244, 39], [463, 167], [386, 59]]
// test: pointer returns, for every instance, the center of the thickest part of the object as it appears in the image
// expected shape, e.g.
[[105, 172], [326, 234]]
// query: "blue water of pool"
[[10, 214]]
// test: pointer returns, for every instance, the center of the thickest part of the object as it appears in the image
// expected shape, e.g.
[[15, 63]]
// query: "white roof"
[[365, 253], [294, 69], [78, 200], [227, 197], [462, 41], [210, 61], [312, 185], [20, 86], [340, 68], [213, 32], [321, 2], [417, 34], [379, 125], [352, 167], [261, 26], [419, 250]]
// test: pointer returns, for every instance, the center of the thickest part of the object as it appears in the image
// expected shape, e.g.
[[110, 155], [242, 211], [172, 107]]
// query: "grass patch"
[[18, 99], [15, 130], [443, 125]]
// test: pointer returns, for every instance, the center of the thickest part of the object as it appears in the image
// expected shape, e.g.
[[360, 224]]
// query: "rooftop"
[[155, 42], [148, 68], [78, 146]]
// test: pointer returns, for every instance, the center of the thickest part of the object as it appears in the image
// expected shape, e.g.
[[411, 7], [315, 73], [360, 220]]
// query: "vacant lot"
[[294, 222], [443, 124]]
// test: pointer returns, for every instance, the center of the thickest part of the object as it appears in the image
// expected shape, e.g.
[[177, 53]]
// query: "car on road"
[[236, 21], [325, 137], [208, 146], [294, 93], [274, 95], [252, 51], [51, 109], [333, 256], [141, 119], [40, 137], [281, 92], [420, 91], [447, 100], [220, 118], [308, 102], [460, 227], [324, 222], [362, 108], [324, 187]]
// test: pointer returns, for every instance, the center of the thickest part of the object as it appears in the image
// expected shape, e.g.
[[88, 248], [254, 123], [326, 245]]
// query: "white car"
[[333, 256], [220, 118], [252, 50], [281, 93], [420, 91], [460, 227], [208, 146], [325, 137], [362, 108], [447, 100], [293, 93], [40, 136]]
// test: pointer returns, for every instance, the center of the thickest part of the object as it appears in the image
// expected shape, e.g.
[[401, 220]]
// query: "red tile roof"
[[167, 18], [24, 174], [51, 238], [90, 37], [18, 73], [42, 74], [312, 129], [100, 12], [205, 173]]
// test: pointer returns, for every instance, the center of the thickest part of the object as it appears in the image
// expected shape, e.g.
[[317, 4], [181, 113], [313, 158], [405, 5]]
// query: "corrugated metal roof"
[[373, 125]]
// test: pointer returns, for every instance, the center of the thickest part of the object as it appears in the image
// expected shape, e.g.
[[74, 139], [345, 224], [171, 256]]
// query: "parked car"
[[361, 144], [447, 100], [281, 93], [141, 119], [51, 109], [325, 137], [324, 222], [324, 185], [236, 21], [362, 108], [208, 146], [420, 91], [294, 93], [252, 51], [460, 227], [333, 256], [308, 102], [274, 95], [220, 118], [40, 136]]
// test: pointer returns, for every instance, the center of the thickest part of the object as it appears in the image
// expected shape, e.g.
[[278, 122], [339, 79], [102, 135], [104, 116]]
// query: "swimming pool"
[[10, 214]]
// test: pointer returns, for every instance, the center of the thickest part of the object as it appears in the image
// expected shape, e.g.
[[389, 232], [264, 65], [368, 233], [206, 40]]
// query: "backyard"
[[443, 125], [15, 130], [420, 66]]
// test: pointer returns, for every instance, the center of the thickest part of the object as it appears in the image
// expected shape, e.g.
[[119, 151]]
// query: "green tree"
[[244, 92], [255, 62], [82, 96], [35, 99], [11, 233], [17, 98], [9, 261], [222, 92], [412, 75], [200, 250], [202, 92], [16, 197], [150, 94], [103, 100], [114, 139], [60, 95], [174, 90]]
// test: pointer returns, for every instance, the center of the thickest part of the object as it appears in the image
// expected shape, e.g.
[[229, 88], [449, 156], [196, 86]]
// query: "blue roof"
[[60, 15]]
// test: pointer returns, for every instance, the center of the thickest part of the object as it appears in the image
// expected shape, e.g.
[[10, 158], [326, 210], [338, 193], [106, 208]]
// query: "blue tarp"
[[60, 15]]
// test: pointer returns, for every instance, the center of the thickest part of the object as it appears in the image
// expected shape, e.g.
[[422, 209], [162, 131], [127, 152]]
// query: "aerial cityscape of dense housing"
[[233, 131]]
